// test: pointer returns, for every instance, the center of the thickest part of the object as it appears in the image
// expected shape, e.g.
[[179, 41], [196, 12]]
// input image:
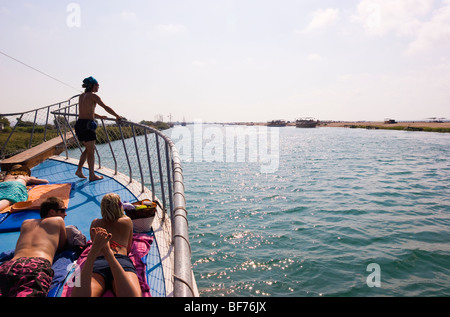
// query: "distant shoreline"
[[427, 126], [421, 124]]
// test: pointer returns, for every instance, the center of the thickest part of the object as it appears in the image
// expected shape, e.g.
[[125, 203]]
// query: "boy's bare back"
[[41, 238], [87, 103]]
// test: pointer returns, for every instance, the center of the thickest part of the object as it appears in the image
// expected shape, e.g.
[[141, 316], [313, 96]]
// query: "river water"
[[317, 212]]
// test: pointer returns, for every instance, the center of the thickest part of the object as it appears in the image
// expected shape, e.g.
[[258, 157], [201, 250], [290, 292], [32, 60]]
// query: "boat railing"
[[143, 153], [29, 128], [138, 151]]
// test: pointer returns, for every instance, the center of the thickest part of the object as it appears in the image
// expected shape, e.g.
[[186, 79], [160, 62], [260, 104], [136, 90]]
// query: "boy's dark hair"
[[48, 204], [89, 83]]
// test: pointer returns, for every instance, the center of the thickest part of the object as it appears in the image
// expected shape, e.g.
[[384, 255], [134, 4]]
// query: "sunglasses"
[[61, 209]]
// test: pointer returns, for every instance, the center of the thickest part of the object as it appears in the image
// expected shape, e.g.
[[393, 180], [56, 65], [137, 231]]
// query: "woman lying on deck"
[[13, 189], [107, 264]]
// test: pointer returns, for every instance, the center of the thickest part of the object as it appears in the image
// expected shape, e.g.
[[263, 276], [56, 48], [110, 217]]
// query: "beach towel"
[[3, 217], [37, 194], [6, 255], [14, 221], [140, 246], [61, 262], [13, 191]]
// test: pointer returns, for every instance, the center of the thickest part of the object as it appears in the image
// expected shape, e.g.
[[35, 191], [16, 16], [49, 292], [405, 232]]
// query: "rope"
[[37, 70]]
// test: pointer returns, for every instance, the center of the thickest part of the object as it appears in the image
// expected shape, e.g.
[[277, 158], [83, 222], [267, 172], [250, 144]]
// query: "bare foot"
[[95, 178], [80, 174], [100, 240]]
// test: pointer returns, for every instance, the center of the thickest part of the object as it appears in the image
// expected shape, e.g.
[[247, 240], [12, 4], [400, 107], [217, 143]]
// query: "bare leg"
[[4, 203], [125, 284], [90, 156], [92, 284], [79, 171], [129, 279]]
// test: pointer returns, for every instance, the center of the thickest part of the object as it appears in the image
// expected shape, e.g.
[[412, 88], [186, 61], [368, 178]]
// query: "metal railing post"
[[126, 152], [46, 124], [161, 178], [149, 166], [169, 181], [9, 136], [32, 130], [138, 159], [110, 147], [63, 137]]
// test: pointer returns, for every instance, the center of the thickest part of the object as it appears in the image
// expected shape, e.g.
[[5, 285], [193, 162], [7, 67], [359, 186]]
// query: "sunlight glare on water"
[[340, 200]]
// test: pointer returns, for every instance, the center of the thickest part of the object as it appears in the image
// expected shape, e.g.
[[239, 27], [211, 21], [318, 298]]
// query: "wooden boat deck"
[[37, 154]]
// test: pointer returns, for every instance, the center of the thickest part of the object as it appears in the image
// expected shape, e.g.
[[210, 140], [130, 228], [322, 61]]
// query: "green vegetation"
[[405, 128], [442, 130], [157, 125], [20, 140]]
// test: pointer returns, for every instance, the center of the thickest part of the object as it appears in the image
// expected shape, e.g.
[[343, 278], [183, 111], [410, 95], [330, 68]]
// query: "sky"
[[231, 60]]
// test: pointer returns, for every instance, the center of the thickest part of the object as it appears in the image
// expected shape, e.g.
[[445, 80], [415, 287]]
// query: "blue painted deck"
[[85, 197], [84, 206]]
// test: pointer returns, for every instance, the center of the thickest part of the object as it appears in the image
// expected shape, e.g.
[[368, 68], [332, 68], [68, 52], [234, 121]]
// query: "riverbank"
[[443, 127], [427, 126]]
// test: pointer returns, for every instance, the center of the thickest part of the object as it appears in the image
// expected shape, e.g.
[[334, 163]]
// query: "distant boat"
[[183, 124], [276, 123], [306, 123]]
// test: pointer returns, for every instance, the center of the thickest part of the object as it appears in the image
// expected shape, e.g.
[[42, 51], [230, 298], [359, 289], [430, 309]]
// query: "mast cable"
[[37, 70]]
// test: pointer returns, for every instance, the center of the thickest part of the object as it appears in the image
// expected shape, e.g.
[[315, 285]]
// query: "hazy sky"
[[225, 60]]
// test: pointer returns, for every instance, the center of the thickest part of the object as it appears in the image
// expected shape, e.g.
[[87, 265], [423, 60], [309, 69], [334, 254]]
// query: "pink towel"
[[139, 248]]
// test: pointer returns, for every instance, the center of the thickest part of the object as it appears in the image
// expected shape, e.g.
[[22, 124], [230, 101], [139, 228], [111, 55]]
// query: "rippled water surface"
[[339, 200]]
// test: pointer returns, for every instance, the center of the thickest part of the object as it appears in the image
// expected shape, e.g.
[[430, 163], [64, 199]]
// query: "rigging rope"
[[37, 70]]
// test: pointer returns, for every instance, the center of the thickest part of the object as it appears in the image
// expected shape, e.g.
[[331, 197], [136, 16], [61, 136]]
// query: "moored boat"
[[306, 122], [276, 123]]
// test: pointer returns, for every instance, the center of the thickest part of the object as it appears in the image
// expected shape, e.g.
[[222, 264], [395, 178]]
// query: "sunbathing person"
[[29, 273], [107, 264], [13, 189]]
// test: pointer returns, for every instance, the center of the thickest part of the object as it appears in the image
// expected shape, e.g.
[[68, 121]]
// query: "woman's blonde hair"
[[111, 207]]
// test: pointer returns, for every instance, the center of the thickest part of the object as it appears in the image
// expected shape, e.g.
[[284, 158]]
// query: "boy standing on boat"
[[86, 125], [29, 273]]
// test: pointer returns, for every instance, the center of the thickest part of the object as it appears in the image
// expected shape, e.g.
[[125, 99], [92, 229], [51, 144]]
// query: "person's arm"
[[92, 228], [99, 101], [62, 236], [97, 116], [130, 239], [36, 181]]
